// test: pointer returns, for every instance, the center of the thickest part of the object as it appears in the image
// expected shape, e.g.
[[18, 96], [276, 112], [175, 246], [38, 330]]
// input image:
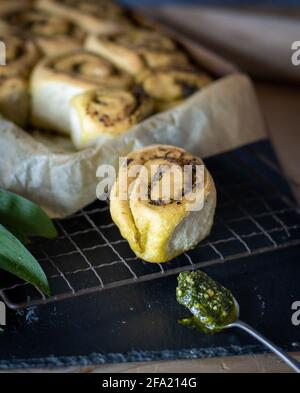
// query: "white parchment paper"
[[223, 116]]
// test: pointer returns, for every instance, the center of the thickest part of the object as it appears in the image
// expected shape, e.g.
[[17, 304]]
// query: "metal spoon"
[[272, 347]]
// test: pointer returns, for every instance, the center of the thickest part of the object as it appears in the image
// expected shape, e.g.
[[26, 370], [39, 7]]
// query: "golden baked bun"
[[93, 16], [21, 55], [53, 34], [102, 114], [159, 226], [56, 80], [170, 86], [137, 49]]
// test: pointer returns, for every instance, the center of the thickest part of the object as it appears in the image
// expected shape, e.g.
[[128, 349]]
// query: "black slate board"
[[139, 322]]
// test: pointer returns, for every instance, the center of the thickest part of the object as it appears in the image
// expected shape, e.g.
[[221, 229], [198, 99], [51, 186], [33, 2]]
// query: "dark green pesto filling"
[[213, 306]]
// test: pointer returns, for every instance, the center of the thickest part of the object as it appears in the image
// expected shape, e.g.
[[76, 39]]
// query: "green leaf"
[[24, 218], [16, 259]]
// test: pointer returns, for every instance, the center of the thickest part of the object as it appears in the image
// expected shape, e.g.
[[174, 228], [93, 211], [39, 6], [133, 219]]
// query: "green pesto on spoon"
[[214, 309]]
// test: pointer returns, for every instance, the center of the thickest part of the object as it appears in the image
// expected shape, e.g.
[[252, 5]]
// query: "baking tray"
[[253, 216]]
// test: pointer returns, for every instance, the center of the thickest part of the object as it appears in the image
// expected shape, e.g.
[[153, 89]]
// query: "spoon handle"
[[272, 347]]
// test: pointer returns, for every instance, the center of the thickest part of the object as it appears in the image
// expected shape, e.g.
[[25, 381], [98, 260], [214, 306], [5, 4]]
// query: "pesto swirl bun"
[[137, 50], [21, 56], [102, 114], [53, 34], [56, 80], [159, 225], [170, 86], [93, 16]]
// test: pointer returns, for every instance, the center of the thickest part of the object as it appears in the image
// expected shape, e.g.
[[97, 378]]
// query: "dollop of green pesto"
[[213, 306]]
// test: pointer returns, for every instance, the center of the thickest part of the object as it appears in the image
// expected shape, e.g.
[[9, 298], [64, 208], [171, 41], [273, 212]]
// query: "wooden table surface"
[[266, 363], [280, 104]]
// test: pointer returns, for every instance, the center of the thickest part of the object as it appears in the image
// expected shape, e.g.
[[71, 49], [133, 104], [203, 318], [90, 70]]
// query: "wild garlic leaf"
[[24, 218], [16, 259]]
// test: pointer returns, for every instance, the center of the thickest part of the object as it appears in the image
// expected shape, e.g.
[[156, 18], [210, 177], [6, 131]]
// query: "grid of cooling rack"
[[89, 253]]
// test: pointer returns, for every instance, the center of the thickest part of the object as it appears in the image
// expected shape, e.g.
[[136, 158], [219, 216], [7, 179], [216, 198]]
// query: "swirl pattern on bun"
[[162, 225], [137, 50], [93, 16], [56, 80], [21, 56], [170, 86], [102, 114], [53, 34]]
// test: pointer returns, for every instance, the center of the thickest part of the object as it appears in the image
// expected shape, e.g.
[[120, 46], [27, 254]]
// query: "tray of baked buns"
[[87, 82]]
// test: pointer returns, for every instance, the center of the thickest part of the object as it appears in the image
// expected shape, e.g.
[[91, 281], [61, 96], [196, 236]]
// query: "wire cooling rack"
[[89, 254]]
